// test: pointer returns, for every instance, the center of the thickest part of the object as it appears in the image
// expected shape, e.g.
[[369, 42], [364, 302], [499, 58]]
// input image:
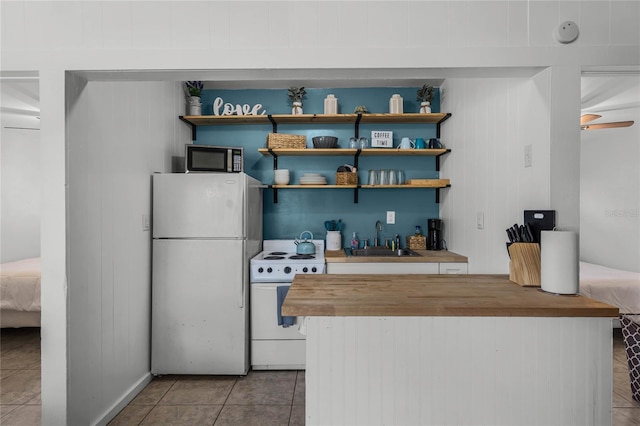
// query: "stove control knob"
[[287, 270], [314, 269], [260, 270], [269, 270], [305, 269]]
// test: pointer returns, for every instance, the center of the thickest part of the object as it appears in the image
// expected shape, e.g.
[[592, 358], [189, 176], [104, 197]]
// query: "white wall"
[[492, 121], [610, 195], [52, 37], [21, 179], [119, 133]]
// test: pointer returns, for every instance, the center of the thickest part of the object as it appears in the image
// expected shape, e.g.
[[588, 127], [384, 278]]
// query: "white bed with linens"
[[613, 286], [20, 293]]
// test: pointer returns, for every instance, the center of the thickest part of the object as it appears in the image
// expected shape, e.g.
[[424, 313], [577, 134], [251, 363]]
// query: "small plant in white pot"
[[295, 95], [425, 94], [193, 92]]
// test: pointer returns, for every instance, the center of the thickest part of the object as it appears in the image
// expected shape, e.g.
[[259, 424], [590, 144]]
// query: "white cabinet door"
[[397, 268], [382, 268], [453, 268]]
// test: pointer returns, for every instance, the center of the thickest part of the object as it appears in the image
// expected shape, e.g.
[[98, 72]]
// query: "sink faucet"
[[378, 228]]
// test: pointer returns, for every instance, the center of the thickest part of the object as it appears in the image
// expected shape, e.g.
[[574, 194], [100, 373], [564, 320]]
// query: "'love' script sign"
[[237, 109]]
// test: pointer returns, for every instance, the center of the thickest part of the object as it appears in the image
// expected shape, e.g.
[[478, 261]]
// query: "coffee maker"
[[434, 234]]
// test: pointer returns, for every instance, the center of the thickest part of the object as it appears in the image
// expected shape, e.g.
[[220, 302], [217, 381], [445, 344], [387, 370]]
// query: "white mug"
[[407, 143]]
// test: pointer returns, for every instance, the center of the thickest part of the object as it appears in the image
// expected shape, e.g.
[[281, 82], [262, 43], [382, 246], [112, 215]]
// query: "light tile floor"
[[260, 398]]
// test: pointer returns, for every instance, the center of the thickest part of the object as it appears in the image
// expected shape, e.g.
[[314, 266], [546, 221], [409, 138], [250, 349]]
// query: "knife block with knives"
[[524, 247], [524, 266]]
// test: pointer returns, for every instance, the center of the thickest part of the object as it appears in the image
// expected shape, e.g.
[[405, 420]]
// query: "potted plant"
[[425, 94], [194, 91], [295, 95]]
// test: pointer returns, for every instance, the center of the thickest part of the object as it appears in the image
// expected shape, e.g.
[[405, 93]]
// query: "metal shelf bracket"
[[190, 124], [274, 123], [357, 125]]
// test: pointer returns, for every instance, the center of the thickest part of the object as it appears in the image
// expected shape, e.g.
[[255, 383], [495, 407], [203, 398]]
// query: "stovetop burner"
[[272, 257], [277, 253], [302, 256]]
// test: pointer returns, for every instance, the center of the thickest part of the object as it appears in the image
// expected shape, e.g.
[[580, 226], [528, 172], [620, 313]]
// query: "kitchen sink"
[[381, 251]]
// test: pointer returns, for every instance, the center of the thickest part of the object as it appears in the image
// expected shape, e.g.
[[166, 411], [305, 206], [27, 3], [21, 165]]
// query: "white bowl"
[[281, 180]]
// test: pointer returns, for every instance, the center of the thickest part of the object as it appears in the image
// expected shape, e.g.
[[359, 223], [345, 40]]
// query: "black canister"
[[434, 234]]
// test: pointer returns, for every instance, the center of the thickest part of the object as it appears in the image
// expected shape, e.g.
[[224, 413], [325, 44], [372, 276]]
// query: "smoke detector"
[[567, 32]]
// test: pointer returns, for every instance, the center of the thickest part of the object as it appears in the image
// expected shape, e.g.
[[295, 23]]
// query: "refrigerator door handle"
[[242, 285]]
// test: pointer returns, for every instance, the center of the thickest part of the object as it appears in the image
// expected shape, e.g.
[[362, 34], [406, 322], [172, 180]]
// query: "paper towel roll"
[[559, 264]]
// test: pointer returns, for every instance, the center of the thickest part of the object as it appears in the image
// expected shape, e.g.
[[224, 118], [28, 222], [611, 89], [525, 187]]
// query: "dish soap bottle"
[[354, 242]]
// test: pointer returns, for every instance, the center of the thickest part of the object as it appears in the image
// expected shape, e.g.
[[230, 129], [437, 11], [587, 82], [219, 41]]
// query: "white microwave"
[[208, 158]]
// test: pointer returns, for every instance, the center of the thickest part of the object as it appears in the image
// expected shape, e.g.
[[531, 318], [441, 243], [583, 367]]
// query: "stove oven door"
[[273, 346]]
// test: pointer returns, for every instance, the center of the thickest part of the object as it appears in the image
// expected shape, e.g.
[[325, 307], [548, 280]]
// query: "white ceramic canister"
[[331, 104], [334, 240], [396, 104]]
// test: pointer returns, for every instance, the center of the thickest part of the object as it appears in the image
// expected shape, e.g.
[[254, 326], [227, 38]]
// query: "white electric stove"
[[274, 347], [279, 262]]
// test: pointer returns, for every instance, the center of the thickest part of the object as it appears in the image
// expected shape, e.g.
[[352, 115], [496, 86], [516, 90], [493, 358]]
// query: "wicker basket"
[[416, 242], [346, 178], [283, 140]]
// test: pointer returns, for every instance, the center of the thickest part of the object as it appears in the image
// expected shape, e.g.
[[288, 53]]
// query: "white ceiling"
[[20, 100], [608, 94], [616, 97]]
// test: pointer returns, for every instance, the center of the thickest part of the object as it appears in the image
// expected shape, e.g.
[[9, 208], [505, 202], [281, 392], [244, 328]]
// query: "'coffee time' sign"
[[237, 109]]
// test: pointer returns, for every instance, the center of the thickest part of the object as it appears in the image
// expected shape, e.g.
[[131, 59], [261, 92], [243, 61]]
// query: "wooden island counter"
[[451, 350]]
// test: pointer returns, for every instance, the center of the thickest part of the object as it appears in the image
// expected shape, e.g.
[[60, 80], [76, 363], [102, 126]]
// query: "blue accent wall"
[[299, 210]]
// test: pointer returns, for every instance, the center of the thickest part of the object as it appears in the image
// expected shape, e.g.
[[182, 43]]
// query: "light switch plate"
[[146, 222], [480, 220], [528, 156], [391, 218]]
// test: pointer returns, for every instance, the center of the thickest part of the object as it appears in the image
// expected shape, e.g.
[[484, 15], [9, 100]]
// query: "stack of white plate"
[[313, 179]]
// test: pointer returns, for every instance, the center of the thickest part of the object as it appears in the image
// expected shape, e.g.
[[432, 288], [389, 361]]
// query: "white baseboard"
[[126, 398]]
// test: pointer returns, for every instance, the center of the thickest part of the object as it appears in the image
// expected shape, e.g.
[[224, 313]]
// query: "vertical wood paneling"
[[114, 147], [494, 119], [452, 371]]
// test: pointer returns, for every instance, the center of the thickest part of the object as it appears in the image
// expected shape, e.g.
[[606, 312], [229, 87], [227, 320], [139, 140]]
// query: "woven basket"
[[416, 242], [283, 140], [346, 178]]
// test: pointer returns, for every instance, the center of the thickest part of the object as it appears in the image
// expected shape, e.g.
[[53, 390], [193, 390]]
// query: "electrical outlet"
[[391, 218], [480, 220], [528, 155]]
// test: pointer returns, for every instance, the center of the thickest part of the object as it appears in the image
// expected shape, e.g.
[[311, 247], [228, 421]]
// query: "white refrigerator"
[[206, 228]]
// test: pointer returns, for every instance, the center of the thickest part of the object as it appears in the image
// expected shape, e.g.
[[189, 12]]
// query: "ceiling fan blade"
[[606, 125], [585, 118]]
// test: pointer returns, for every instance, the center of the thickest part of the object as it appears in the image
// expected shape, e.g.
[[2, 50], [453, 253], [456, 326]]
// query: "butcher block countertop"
[[430, 295], [426, 256]]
